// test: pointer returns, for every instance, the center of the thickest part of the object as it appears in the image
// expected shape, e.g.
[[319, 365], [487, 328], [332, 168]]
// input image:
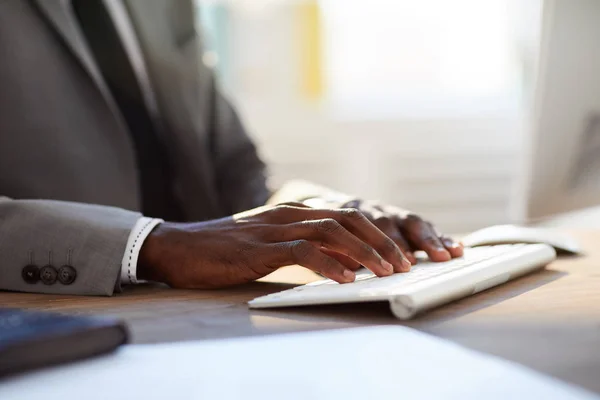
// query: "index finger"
[[357, 224], [330, 234]]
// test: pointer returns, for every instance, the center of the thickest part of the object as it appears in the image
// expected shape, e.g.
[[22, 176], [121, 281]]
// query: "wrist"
[[150, 266]]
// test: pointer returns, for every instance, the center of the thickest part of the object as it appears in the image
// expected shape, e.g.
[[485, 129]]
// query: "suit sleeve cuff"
[[139, 233]]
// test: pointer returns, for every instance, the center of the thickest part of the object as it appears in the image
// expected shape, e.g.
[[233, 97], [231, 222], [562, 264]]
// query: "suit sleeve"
[[241, 174], [90, 239]]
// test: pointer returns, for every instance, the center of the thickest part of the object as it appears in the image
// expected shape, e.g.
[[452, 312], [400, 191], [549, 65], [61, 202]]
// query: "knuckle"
[[366, 252], [352, 214], [389, 247], [330, 264], [328, 225], [300, 250], [413, 219]]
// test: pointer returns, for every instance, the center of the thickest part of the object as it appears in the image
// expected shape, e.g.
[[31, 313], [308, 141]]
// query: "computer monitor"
[[562, 152]]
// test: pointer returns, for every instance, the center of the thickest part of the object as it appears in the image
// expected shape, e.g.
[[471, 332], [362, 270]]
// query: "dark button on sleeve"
[[48, 275], [67, 274], [31, 274]]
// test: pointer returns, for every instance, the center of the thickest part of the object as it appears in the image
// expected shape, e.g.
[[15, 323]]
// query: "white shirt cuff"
[[139, 233]]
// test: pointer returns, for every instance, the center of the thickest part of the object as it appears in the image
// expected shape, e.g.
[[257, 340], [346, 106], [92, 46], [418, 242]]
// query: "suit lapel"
[[60, 16]]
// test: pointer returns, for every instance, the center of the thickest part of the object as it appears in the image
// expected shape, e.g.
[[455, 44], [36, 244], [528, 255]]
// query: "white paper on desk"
[[362, 363]]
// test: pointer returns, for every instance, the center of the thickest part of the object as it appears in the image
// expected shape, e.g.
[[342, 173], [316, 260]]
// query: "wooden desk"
[[549, 321]]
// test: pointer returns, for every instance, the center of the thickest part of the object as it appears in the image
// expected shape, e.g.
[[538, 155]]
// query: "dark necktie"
[[115, 66]]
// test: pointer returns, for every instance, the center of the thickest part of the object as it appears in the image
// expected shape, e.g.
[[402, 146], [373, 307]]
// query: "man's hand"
[[409, 231], [250, 245]]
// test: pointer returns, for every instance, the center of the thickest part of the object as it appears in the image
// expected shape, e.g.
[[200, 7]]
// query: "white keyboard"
[[427, 285]]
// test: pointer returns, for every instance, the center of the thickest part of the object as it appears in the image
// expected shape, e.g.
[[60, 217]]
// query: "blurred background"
[[417, 103]]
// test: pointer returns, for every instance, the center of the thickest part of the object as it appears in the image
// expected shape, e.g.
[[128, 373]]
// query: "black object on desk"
[[30, 340]]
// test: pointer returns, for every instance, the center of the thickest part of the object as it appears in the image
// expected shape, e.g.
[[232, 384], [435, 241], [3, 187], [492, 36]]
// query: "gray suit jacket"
[[68, 174]]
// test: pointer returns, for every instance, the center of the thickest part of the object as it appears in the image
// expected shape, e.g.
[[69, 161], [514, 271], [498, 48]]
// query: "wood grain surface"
[[549, 321]]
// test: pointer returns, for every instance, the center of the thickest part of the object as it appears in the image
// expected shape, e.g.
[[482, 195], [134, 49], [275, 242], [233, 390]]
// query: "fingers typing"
[[421, 235], [332, 235], [304, 253], [330, 223]]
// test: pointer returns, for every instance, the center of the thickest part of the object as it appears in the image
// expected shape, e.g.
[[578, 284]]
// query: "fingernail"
[[387, 266], [451, 244], [442, 250], [446, 256], [349, 275], [406, 264]]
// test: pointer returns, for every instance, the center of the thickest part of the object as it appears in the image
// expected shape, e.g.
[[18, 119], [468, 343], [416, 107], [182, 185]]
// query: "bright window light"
[[419, 58]]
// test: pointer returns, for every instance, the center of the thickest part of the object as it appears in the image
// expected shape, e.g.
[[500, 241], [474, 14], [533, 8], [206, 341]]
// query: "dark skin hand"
[[251, 245], [409, 231]]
